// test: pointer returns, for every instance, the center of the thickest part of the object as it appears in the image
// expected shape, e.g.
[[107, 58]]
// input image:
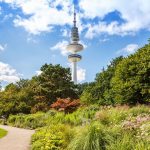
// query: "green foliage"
[[112, 116], [54, 137], [81, 87], [89, 95], [131, 83], [125, 81], [125, 142], [27, 121], [55, 82], [16, 98], [100, 91], [89, 128], [38, 93], [2, 133], [138, 110], [82, 116], [91, 138]]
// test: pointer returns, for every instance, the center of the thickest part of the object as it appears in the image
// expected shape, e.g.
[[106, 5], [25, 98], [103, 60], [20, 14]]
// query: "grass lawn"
[[2, 133]]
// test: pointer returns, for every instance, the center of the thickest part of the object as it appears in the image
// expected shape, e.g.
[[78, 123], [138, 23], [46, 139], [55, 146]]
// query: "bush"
[[27, 121], [82, 116], [66, 105], [140, 109], [125, 142], [91, 138], [53, 137]]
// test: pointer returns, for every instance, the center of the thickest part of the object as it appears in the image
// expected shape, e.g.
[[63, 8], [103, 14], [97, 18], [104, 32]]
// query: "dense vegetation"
[[37, 94], [125, 81], [113, 112], [2, 133], [89, 128]]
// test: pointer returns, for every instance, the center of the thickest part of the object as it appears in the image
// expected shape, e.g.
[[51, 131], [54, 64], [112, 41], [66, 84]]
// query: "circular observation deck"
[[74, 57], [75, 47]]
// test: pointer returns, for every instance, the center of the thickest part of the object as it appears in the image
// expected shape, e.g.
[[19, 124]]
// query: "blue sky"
[[33, 33]]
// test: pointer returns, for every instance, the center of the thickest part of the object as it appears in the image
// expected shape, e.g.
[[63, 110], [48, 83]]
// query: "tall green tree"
[[55, 82], [100, 90], [16, 99], [131, 82]]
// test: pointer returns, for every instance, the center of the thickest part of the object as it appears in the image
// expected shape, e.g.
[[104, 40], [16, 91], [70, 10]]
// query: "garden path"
[[16, 139]]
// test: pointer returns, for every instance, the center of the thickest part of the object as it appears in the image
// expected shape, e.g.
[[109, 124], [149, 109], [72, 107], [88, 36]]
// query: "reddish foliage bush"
[[66, 105]]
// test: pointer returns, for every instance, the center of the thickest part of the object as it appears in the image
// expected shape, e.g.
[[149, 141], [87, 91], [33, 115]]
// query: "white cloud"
[[104, 40], [32, 39], [135, 13], [81, 74], [8, 74], [6, 17], [42, 14], [114, 28], [65, 33], [38, 72], [84, 44], [61, 46], [3, 47], [129, 49]]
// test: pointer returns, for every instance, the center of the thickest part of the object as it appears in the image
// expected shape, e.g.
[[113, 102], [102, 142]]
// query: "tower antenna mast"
[[75, 22]]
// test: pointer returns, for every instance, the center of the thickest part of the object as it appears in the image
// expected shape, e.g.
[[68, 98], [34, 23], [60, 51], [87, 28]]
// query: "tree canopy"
[[125, 81], [55, 82], [38, 93], [131, 82]]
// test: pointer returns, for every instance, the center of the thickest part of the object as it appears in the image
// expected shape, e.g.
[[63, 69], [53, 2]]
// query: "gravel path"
[[16, 139]]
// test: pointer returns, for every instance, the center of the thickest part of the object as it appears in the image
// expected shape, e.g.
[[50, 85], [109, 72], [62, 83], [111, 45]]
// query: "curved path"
[[16, 139]]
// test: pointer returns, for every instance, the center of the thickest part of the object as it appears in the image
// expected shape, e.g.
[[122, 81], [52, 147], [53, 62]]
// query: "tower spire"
[[74, 17], [74, 32]]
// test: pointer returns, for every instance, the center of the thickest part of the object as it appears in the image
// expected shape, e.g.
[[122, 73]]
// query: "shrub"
[[91, 138], [83, 116], [32, 121], [66, 105], [112, 115], [140, 109], [125, 142], [103, 117], [54, 137], [133, 123], [144, 132]]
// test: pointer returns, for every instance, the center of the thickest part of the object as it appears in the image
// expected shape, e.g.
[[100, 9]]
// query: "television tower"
[[74, 47]]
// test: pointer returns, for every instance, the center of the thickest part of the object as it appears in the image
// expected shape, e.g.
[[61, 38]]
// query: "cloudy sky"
[[34, 32]]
